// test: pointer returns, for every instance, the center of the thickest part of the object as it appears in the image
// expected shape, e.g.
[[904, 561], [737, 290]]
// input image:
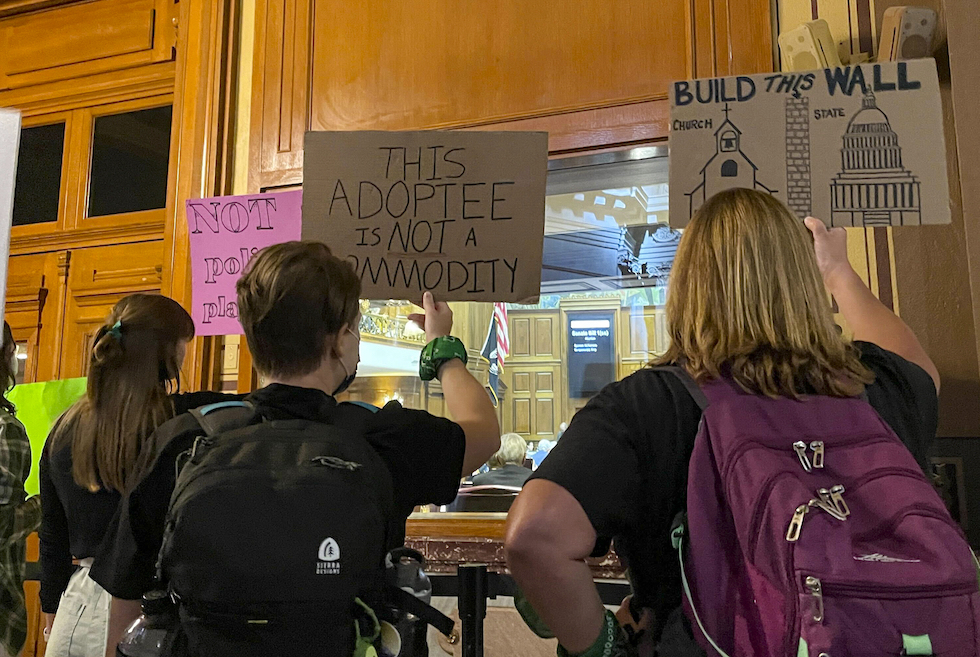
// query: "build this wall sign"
[[855, 146]]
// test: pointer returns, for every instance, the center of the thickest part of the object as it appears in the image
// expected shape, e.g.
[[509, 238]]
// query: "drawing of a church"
[[873, 187], [728, 167]]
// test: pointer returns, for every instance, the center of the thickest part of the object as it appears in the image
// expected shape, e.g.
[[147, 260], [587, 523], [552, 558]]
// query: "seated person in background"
[[507, 465], [273, 568], [545, 446]]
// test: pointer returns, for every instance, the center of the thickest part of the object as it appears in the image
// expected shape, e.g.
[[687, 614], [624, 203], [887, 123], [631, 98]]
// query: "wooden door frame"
[[202, 149]]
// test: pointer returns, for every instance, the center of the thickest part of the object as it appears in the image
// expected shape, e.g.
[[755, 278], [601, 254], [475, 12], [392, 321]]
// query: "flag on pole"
[[491, 354], [503, 336], [496, 348]]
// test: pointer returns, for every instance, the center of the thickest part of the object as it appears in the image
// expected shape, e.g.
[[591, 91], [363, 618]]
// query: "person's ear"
[[337, 348]]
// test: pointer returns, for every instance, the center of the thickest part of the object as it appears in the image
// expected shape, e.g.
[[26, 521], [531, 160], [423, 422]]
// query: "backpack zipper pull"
[[837, 495], [816, 590], [796, 524], [826, 505], [817, 447], [800, 448]]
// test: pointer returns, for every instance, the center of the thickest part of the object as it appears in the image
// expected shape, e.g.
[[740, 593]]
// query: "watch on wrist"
[[437, 352]]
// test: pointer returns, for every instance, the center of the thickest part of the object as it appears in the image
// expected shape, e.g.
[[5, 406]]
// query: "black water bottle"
[[406, 572]]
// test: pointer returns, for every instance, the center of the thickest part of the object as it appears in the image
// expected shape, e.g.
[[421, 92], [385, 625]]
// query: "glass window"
[[37, 191], [21, 355], [608, 252], [130, 155]]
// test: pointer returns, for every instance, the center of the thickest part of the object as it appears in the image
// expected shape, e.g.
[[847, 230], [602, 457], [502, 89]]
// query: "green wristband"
[[438, 352], [530, 616], [611, 642]]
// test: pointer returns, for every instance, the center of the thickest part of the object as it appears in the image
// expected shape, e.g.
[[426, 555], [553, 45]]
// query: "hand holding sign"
[[436, 321], [830, 247]]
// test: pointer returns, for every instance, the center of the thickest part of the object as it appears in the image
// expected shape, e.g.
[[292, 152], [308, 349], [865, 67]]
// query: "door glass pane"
[[21, 362], [608, 251], [38, 189], [130, 154]]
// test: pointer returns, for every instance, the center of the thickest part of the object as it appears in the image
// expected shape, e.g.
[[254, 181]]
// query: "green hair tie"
[[116, 331]]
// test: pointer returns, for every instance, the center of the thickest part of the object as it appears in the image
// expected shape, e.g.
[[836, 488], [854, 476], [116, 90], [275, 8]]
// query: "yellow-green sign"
[[38, 406]]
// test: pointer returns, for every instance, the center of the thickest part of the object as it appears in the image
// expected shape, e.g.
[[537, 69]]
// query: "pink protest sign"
[[225, 232]]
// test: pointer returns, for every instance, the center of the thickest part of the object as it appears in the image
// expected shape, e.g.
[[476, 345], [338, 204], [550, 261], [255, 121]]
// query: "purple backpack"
[[812, 532]]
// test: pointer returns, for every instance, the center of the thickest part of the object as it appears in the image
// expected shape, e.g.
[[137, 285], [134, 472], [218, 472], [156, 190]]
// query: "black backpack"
[[275, 529]]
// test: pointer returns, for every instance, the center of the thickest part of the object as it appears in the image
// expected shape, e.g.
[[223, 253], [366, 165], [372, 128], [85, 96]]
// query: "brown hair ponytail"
[[135, 366]]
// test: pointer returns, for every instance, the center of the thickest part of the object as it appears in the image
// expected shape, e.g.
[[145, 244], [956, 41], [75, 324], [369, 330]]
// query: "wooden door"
[[533, 403], [34, 310], [98, 278], [84, 39]]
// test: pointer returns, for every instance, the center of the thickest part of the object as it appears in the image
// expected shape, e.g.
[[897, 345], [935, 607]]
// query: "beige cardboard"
[[854, 146], [406, 228]]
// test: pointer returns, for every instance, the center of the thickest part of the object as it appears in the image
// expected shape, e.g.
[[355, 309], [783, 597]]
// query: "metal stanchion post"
[[472, 607]]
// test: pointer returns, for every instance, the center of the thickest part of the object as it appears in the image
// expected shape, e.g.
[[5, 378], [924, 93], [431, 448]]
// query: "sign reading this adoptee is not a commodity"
[[225, 232], [458, 213]]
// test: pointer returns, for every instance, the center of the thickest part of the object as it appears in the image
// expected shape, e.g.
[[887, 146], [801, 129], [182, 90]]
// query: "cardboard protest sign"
[[458, 213], [854, 146], [39, 405], [225, 232], [9, 145]]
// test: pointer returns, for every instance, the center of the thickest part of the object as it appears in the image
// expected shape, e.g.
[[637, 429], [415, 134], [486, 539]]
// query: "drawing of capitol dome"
[[873, 188]]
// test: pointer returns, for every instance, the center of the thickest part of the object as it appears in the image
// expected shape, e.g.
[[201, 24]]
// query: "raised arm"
[[868, 318], [466, 399]]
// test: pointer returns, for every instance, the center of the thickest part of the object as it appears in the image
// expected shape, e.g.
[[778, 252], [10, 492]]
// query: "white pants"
[[82, 621]]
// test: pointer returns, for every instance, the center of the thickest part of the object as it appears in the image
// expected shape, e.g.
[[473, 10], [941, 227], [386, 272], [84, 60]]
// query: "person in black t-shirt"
[[745, 301], [94, 450], [299, 308]]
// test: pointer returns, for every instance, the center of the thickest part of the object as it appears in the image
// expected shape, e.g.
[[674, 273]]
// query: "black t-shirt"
[[625, 458], [424, 454], [74, 520]]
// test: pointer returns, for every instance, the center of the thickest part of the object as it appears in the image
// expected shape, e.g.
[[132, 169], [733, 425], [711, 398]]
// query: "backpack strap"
[[689, 383], [223, 416], [405, 601], [677, 534], [370, 407]]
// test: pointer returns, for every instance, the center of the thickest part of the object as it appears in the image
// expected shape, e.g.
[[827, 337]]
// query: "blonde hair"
[[747, 301], [135, 365], [513, 449]]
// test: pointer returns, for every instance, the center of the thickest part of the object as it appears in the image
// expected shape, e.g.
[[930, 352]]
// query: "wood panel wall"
[[594, 74]]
